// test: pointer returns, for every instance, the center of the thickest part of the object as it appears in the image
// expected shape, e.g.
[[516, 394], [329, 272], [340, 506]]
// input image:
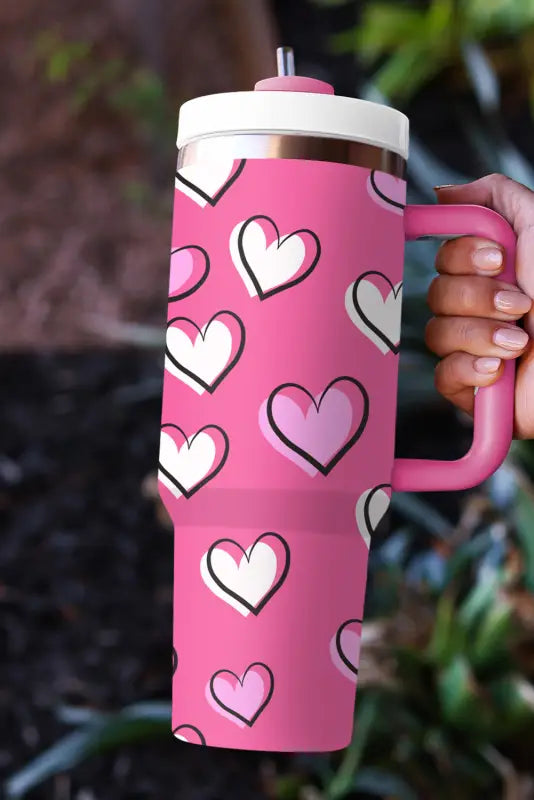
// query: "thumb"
[[515, 202]]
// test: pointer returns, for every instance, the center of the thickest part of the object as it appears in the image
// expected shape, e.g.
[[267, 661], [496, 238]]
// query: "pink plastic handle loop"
[[494, 405]]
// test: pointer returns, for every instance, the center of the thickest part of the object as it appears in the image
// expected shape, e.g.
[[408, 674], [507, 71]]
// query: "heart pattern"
[[263, 344], [268, 262], [318, 430], [190, 266], [371, 507], [189, 734], [206, 182], [377, 317], [387, 191], [202, 357], [186, 464], [241, 698], [345, 648], [246, 579]]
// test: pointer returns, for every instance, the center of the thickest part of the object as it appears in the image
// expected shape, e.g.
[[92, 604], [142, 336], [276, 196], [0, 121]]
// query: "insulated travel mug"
[[279, 401]]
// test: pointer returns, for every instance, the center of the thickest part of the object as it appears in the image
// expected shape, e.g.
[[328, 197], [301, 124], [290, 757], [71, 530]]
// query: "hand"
[[471, 331]]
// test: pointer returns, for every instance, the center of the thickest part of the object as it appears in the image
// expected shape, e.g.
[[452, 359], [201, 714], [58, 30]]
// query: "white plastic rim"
[[326, 115]]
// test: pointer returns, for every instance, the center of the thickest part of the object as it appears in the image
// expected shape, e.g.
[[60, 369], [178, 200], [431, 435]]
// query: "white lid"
[[311, 113]]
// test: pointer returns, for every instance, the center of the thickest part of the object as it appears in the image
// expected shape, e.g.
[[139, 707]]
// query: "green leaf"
[[64, 755], [367, 709], [416, 509], [499, 17], [513, 700], [383, 27], [288, 787], [407, 70], [134, 723], [490, 642], [460, 699], [482, 76], [525, 533], [468, 554], [448, 638], [62, 59], [382, 783], [478, 601]]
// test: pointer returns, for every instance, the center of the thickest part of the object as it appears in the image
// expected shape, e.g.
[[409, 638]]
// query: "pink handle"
[[494, 405]]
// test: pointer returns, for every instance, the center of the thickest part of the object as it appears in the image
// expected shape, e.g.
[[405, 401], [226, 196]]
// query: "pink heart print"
[[387, 191], [201, 357], [345, 648], [317, 431], [187, 463], [241, 699], [189, 269], [189, 734], [270, 262]]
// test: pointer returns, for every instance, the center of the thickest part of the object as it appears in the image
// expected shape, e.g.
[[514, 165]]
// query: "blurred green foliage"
[[137, 93], [412, 44]]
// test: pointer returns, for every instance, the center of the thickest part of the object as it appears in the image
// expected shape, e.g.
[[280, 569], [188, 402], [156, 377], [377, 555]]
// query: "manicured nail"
[[512, 302], [487, 365], [488, 259], [510, 338]]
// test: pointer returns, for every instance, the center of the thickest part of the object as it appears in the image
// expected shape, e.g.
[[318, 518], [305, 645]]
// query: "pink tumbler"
[[279, 401]]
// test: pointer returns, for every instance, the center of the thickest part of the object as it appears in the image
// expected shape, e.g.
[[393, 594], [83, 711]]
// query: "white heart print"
[[378, 317], [185, 468], [268, 268], [250, 579], [370, 509], [203, 362], [208, 179]]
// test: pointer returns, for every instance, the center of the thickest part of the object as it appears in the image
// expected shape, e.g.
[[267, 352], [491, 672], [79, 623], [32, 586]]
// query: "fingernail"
[[510, 338], [512, 302], [487, 365], [488, 259], [443, 186]]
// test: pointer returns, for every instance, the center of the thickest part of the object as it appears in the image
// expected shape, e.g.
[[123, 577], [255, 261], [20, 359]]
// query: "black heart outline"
[[212, 201], [191, 728], [339, 649], [231, 364], [181, 295], [189, 493], [174, 660], [393, 347], [250, 272], [381, 194], [324, 470], [367, 507], [249, 722], [274, 588]]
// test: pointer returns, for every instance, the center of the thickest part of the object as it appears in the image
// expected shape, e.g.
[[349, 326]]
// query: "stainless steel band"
[[310, 148]]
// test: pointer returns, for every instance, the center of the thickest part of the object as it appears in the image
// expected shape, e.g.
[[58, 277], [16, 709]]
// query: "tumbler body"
[[278, 429]]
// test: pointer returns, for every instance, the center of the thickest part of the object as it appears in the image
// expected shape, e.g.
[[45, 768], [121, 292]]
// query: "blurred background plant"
[[412, 43], [446, 687]]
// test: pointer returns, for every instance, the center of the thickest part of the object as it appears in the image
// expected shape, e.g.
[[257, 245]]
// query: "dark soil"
[[86, 575]]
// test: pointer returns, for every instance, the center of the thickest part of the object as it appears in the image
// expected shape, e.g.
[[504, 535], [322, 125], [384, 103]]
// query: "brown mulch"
[[86, 193]]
